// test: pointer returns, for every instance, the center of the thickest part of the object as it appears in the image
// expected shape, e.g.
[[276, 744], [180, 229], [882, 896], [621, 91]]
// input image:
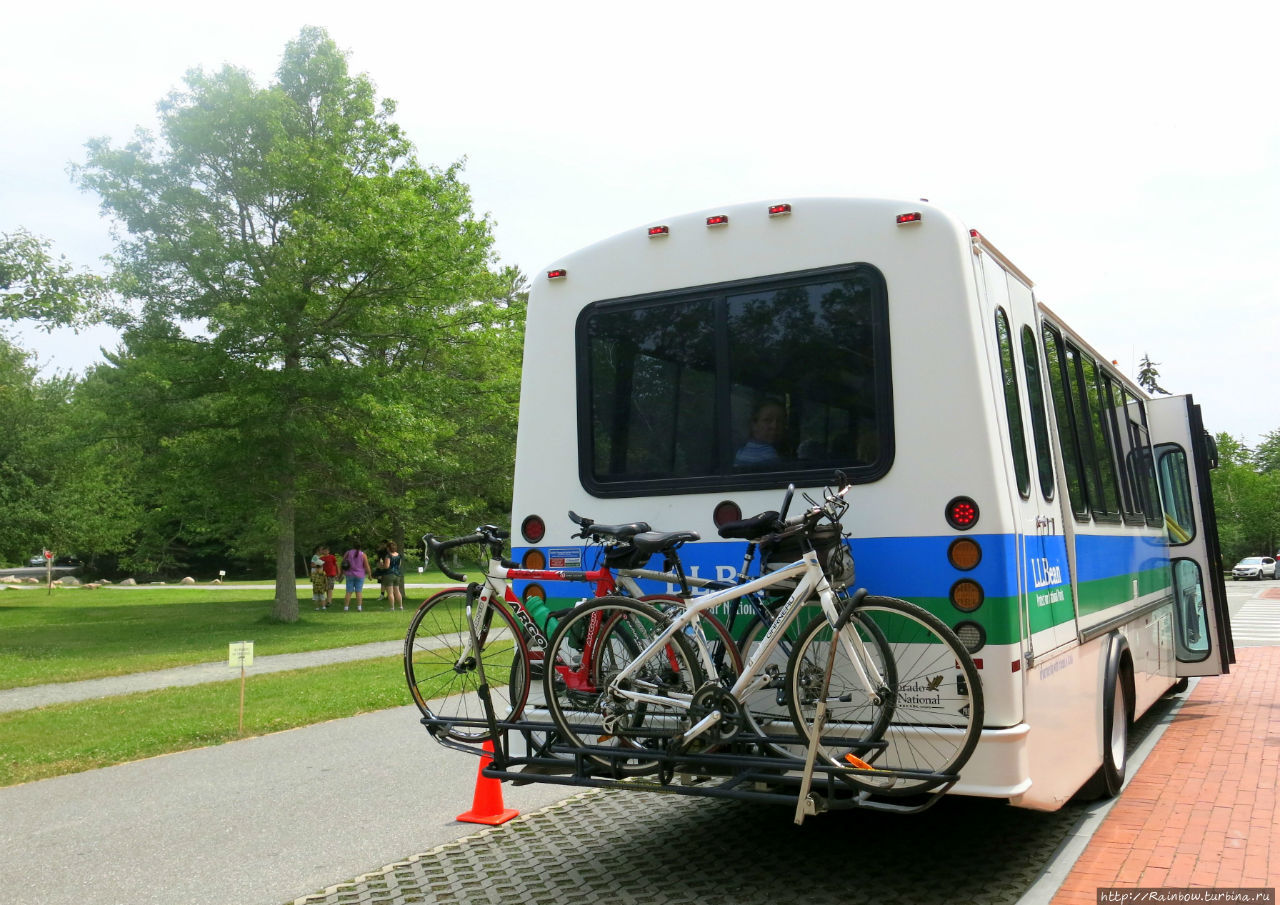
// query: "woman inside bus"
[[766, 433]]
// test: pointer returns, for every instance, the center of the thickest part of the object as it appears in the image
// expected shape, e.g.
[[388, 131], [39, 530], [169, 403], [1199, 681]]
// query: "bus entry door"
[[1184, 454]]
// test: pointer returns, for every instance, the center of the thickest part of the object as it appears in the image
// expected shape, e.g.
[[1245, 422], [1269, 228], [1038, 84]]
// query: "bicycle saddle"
[[622, 532], [752, 528], [655, 541]]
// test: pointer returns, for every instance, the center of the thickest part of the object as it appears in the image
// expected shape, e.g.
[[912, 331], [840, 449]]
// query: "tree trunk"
[[286, 600]]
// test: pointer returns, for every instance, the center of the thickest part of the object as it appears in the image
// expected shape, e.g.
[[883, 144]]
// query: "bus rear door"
[[1184, 454]]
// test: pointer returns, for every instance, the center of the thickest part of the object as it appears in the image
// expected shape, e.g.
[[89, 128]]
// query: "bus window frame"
[[728, 480]]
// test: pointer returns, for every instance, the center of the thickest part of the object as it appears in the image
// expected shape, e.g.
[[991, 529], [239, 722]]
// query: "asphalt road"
[[262, 820]]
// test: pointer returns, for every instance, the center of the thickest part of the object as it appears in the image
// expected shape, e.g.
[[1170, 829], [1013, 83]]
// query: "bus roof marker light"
[[779, 210], [718, 220], [962, 513], [655, 231], [913, 217], [557, 274]]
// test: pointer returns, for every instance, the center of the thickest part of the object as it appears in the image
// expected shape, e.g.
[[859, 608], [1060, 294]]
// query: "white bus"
[[1007, 477]]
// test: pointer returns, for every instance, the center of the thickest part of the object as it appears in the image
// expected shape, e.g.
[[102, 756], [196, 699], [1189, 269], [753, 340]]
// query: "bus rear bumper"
[[999, 767]]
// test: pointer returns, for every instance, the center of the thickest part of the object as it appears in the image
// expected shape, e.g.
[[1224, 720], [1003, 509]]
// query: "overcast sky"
[[1126, 156]]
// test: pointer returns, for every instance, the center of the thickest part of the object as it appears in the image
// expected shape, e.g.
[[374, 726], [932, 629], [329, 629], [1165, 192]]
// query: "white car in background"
[[1255, 567]]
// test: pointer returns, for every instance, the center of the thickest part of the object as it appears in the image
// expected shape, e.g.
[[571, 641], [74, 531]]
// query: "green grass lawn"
[[75, 634], [70, 738]]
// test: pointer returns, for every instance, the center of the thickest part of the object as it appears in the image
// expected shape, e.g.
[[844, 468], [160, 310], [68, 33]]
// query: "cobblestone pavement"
[[645, 847]]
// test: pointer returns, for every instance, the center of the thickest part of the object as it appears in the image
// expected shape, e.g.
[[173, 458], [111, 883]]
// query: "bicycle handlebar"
[[490, 535]]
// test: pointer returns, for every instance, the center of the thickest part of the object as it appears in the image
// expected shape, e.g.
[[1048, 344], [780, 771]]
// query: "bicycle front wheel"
[[915, 731], [442, 664], [593, 707]]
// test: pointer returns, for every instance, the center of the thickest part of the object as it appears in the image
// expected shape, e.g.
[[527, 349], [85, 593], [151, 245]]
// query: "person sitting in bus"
[[765, 434]]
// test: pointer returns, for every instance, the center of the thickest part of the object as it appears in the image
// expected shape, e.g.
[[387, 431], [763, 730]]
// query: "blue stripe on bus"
[[917, 567]]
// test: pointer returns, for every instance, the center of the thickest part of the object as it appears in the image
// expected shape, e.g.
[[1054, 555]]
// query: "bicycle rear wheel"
[[769, 709], [441, 664], [590, 647], [930, 713]]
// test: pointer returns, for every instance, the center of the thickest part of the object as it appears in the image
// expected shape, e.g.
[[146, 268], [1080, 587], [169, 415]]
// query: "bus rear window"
[[741, 385]]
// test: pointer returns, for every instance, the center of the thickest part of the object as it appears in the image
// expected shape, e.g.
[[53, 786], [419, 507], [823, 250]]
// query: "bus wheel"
[[1117, 714]]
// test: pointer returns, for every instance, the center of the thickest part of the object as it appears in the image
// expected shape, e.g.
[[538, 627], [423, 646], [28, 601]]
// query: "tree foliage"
[[316, 332], [37, 285], [62, 484], [1149, 377], [1246, 494]]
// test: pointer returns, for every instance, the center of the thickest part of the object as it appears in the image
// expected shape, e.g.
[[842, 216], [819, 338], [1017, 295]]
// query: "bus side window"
[[1175, 487], [1065, 415], [1191, 633], [1039, 423]]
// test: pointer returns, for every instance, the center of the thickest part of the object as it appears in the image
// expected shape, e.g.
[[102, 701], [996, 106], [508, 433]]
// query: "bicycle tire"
[[931, 721], [442, 672], [585, 714], [769, 710]]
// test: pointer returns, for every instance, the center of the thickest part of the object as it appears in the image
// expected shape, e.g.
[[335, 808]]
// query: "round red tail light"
[[726, 512], [962, 513], [533, 529]]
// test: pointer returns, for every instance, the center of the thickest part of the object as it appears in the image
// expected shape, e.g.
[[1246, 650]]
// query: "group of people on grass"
[[354, 567]]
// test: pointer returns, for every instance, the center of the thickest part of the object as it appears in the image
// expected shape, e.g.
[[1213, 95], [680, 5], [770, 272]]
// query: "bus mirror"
[[1211, 449]]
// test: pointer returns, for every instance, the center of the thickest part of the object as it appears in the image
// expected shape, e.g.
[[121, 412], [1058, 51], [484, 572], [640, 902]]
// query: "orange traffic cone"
[[487, 807]]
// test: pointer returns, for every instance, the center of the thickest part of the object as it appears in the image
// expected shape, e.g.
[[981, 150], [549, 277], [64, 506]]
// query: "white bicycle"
[[902, 709]]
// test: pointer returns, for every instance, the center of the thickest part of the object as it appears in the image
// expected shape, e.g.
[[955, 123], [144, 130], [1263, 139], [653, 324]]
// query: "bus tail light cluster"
[[964, 554]]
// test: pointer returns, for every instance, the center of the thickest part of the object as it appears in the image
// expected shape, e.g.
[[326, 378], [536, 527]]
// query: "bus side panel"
[[1065, 694], [1151, 644]]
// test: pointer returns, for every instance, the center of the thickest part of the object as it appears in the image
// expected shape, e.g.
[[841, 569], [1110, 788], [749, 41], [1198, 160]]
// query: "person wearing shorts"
[[391, 574], [355, 566]]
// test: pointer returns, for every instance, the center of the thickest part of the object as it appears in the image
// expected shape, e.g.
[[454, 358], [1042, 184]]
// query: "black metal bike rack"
[[746, 767], [736, 769]]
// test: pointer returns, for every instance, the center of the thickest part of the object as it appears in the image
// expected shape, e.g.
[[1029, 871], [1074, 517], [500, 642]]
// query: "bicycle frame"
[[811, 579]]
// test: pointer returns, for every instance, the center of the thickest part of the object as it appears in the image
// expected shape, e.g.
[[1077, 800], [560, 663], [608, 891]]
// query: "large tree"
[[307, 301]]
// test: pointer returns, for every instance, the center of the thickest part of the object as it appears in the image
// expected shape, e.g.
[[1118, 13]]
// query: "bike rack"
[[741, 768], [737, 770]]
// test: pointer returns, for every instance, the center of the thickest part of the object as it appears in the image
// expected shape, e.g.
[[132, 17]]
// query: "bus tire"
[[1117, 715]]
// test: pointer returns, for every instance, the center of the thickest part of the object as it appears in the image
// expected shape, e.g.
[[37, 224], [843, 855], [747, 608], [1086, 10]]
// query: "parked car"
[[1255, 567], [37, 560]]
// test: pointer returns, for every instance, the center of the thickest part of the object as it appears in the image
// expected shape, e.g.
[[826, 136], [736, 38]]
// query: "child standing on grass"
[[330, 573], [318, 580]]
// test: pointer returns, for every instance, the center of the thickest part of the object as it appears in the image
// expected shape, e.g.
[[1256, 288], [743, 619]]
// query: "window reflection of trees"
[[812, 347], [670, 396]]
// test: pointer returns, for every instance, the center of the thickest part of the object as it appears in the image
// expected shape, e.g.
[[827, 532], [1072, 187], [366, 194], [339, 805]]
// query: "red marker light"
[[962, 513], [777, 210], [718, 220], [557, 274], [533, 529], [659, 231], [726, 512], [913, 217]]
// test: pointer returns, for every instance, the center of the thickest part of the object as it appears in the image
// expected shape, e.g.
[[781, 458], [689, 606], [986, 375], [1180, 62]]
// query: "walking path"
[[62, 692], [1201, 811]]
